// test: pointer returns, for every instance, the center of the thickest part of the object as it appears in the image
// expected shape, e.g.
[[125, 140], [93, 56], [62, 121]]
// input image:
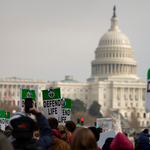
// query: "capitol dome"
[[114, 38], [114, 56]]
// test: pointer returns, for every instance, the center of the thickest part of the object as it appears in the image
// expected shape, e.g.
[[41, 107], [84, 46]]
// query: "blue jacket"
[[46, 138]]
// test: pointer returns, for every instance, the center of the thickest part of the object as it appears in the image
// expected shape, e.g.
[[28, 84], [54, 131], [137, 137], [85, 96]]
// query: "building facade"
[[113, 82]]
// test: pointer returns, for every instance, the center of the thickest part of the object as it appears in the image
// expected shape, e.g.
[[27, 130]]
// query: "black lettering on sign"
[[2, 121], [44, 104], [52, 111], [104, 125], [59, 102], [66, 112], [52, 103], [148, 87], [23, 103], [62, 119], [47, 103]]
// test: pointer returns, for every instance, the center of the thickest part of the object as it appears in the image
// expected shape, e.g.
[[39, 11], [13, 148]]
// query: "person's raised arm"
[[46, 137]]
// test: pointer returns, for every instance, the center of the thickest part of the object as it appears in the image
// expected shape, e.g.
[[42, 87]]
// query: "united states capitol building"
[[113, 83]]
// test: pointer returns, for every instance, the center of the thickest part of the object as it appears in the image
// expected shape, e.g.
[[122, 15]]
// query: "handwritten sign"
[[105, 123]]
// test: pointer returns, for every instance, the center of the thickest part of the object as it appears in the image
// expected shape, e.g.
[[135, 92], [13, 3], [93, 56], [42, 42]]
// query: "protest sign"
[[2, 127], [28, 92], [52, 102], [7, 117], [104, 136], [4, 117], [65, 111], [147, 103], [105, 123]]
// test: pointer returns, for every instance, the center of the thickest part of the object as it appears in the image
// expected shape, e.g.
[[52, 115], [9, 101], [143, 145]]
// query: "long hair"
[[83, 139]]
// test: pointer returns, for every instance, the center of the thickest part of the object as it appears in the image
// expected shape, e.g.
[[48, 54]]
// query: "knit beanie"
[[144, 137], [95, 132], [121, 142]]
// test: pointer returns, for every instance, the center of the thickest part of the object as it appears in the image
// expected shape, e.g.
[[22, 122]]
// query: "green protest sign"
[[148, 75], [66, 103], [147, 101], [28, 93], [8, 115], [4, 117], [65, 111], [2, 113], [51, 94], [52, 102]]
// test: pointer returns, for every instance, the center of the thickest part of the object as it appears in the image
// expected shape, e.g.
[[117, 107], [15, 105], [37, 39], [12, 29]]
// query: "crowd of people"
[[24, 133]]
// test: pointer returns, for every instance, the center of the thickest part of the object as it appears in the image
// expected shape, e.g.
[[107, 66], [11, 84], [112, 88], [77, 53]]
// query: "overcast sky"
[[48, 39]]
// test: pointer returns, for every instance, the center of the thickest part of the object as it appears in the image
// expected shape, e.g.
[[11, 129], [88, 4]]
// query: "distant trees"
[[77, 105], [94, 110]]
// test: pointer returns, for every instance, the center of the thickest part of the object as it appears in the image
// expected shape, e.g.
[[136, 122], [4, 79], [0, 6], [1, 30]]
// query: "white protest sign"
[[147, 102], [2, 127], [104, 136], [65, 111], [52, 102], [2, 124], [105, 123]]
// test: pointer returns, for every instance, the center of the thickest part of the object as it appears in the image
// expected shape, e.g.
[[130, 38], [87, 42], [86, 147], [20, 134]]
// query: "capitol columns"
[[115, 69], [118, 68], [107, 69], [111, 68], [133, 93]]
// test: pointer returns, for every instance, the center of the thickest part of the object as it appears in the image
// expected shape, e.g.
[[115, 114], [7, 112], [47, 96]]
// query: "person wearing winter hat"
[[143, 140], [22, 127], [58, 143], [96, 134], [121, 142]]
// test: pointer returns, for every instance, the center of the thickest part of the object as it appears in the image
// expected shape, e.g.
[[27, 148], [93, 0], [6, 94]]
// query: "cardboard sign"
[[104, 136], [28, 92], [147, 102], [65, 111], [52, 102], [104, 123]]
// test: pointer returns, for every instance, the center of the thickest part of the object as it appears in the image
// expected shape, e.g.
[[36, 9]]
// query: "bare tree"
[[134, 122]]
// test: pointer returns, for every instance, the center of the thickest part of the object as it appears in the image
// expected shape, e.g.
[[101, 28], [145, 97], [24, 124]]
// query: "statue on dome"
[[114, 15]]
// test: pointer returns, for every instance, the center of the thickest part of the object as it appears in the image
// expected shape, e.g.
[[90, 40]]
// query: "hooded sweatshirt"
[[58, 143], [121, 142], [144, 137]]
